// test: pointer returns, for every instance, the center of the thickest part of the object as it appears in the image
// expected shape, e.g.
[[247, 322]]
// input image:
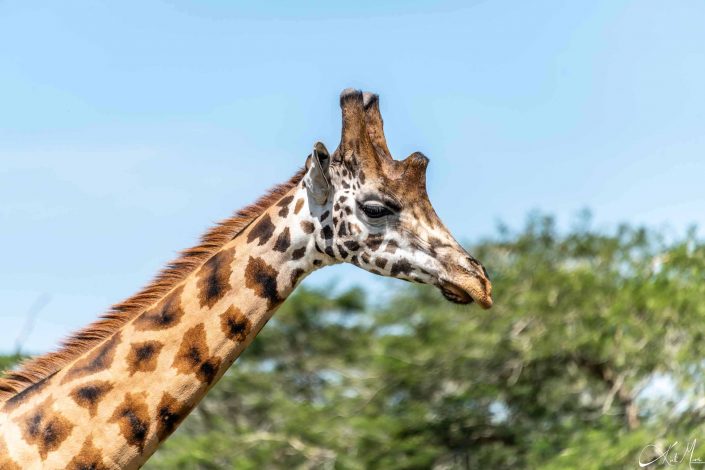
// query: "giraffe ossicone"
[[122, 385]]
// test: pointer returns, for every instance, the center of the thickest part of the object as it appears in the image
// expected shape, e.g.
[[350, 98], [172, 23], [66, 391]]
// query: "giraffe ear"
[[316, 178]]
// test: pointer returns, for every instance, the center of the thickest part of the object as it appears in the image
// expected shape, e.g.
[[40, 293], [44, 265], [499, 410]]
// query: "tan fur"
[[36, 369]]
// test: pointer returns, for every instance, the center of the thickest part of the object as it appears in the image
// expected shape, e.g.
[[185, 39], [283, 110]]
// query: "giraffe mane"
[[32, 371]]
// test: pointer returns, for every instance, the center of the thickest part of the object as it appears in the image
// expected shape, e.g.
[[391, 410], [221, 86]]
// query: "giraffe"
[[123, 384]]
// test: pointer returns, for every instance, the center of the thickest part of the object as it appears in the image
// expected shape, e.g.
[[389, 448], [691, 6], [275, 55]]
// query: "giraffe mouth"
[[475, 291], [455, 294]]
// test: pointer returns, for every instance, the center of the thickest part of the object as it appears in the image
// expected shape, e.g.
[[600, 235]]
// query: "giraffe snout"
[[467, 282]]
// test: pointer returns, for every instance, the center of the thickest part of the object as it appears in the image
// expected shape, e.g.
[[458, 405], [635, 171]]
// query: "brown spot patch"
[[165, 315], [88, 458], [262, 231], [327, 232], [296, 275], [143, 356], [235, 324], [262, 278], [351, 245], [373, 241], [298, 206], [170, 413], [98, 359], [89, 395], [193, 357], [44, 428], [401, 267], [283, 241], [298, 253], [307, 226], [214, 277], [391, 247], [380, 263], [284, 204], [132, 416]]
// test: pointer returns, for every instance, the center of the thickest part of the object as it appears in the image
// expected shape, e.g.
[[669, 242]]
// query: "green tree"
[[8, 361]]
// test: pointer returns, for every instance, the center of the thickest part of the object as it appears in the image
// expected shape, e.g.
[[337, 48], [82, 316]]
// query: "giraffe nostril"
[[472, 260], [485, 271], [476, 264]]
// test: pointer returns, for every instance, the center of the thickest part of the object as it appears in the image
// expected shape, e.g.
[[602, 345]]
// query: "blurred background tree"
[[592, 351]]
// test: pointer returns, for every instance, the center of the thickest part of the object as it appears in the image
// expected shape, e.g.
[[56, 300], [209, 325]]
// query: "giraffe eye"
[[375, 210]]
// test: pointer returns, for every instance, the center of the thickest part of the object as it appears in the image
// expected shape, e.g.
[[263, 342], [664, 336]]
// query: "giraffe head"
[[374, 212]]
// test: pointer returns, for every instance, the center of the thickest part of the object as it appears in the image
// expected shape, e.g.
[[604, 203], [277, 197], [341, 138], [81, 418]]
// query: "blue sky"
[[127, 129]]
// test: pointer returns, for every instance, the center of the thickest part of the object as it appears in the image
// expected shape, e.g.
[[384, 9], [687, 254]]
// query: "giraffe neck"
[[114, 404]]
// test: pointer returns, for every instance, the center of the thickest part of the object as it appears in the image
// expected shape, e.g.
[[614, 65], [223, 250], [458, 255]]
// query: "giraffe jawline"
[[455, 294]]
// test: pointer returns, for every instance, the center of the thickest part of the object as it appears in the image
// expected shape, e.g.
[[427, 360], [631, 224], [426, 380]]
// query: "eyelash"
[[375, 211]]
